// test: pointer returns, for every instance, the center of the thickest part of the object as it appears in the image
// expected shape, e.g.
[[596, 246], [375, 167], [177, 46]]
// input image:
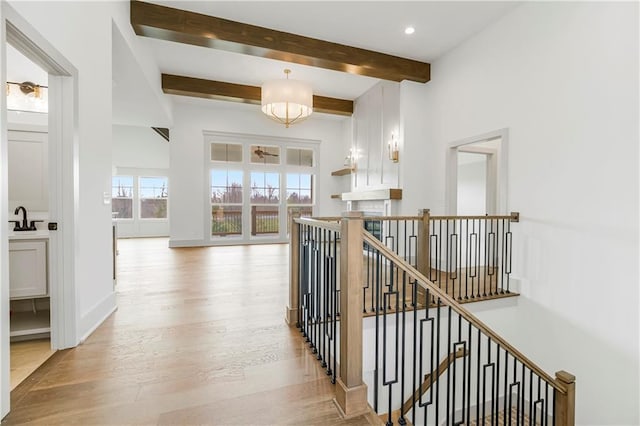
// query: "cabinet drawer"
[[27, 269]]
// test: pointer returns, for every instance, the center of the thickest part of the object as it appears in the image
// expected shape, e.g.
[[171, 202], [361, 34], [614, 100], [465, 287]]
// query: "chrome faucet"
[[25, 223]]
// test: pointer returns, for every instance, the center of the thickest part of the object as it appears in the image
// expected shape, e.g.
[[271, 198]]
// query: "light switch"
[[106, 198]]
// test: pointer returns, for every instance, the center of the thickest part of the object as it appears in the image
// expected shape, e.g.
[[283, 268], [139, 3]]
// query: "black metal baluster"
[[492, 365], [546, 404], [530, 395], [321, 292], [509, 252], [520, 390], [414, 295], [401, 420], [314, 313], [432, 362], [376, 290], [467, 259], [478, 357], [449, 347], [506, 381], [494, 266], [336, 310], [437, 360], [496, 394], [523, 396], [467, 355]]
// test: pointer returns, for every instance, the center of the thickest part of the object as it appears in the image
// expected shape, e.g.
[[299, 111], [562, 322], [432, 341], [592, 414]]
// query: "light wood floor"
[[198, 338], [26, 357]]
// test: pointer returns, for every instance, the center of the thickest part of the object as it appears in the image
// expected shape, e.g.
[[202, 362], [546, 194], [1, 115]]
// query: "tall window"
[[254, 183], [226, 202], [153, 193], [265, 198], [299, 194], [122, 197]]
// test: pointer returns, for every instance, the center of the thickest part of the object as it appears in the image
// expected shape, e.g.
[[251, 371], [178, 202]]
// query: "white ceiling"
[[377, 25]]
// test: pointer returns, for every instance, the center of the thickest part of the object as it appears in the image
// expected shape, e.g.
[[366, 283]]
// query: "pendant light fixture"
[[287, 101]]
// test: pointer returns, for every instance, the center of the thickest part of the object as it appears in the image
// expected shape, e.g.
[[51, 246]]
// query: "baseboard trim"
[[97, 315], [186, 243], [230, 242]]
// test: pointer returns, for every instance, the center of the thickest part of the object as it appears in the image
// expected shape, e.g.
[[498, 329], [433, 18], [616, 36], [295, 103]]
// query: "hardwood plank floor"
[[198, 338], [26, 357]]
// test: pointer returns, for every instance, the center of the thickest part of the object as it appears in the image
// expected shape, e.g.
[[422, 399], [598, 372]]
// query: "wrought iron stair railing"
[[415, 323]]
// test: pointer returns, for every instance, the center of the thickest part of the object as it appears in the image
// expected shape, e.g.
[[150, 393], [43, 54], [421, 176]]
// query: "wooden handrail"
[[429, 285], [428, 379], [513, 217], [331, 226]]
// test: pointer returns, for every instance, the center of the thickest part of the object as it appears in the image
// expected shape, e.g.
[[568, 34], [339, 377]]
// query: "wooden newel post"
[[424, 260], [423, 242], [351, 392], [291, 314], [565, 402]]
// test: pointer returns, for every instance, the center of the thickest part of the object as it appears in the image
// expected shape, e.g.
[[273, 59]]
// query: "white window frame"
[[247, 140]]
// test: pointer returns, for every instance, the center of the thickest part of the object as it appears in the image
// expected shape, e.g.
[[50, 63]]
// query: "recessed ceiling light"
[[409, 30]]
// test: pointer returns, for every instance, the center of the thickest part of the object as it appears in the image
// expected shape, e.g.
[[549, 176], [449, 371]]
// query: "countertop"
[[40, 234]]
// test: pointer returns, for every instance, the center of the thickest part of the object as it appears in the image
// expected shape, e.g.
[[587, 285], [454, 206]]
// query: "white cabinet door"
[[27, 269]]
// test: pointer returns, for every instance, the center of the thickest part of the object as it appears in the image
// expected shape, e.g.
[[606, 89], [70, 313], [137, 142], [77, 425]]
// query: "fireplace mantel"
[[373, 195]]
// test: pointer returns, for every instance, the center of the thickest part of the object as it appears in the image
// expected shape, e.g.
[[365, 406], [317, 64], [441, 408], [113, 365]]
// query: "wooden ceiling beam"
[[166, 23], [209, 89]]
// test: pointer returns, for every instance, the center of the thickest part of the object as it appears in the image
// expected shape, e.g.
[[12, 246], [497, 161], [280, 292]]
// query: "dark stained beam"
[[166, 23], [163, 132], [199, 88]]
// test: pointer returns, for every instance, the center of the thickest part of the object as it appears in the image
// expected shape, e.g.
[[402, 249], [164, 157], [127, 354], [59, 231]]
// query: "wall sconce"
[[27, 96], [394, 153], [349, 160]]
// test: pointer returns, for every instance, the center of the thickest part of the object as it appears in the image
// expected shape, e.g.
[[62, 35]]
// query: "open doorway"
[[477, 175], [28, 185], [51, 220]]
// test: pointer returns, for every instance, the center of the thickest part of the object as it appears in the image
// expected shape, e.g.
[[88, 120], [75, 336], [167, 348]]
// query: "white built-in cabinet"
[[28, 288], [27, 269]]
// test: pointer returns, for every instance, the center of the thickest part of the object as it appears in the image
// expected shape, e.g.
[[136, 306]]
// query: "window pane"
[[153, 208], [300, 157], [153, 187], [299, 188], [153, 193], [122, 197], [226, 186], [122, 186], [123, 207], [226, 152], [264, 220], [265, 188], [265, 154], [226, 220]]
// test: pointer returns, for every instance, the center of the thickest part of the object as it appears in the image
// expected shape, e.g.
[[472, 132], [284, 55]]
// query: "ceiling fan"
[[261, 154]]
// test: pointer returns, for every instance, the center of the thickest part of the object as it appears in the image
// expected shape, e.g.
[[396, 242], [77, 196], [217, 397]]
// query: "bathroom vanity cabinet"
[[27, 269], [28, 287]]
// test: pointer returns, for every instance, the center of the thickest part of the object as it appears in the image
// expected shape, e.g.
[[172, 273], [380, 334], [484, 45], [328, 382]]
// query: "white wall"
[[187, 204], [61, 23], [563, 78], [141, 147], [140, 151], [376, 117], [421, 162]]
